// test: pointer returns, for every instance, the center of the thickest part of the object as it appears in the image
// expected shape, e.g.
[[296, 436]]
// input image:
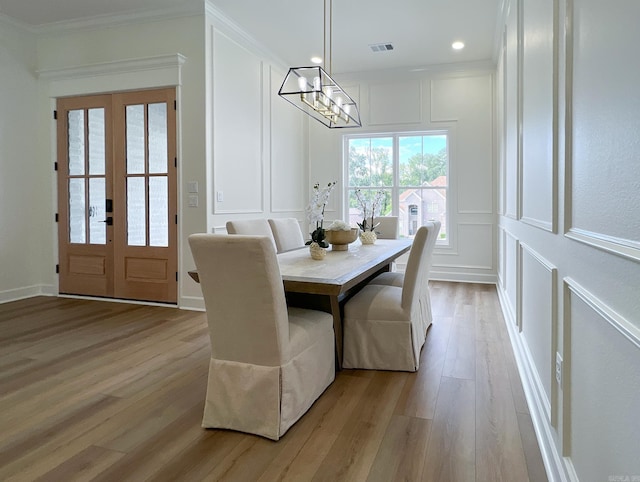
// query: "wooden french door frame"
[[145, 272], [116, 260], [85, 265]]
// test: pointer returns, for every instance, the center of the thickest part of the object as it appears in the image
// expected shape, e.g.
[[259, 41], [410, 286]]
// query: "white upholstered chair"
[[287, 233], [269, 363], [387, 227], [383, 324], [397, 279], [254, 227]]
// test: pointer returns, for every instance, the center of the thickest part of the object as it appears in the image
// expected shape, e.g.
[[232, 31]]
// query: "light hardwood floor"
[[93, 390]]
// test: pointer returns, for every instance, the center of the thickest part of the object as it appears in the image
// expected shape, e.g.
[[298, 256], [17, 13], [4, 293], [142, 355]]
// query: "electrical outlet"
[[559, 369], [220, 196]]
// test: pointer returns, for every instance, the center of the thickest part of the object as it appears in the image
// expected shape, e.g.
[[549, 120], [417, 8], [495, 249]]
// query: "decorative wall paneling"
[[238, 164], [602, 127], [478, 236], [539, 321], [391, 104], [501, 258], [288, 187], [539, 117], [512, 111], [601, 385], [511, 286], [457, 100], [586, 424], [500, 150]]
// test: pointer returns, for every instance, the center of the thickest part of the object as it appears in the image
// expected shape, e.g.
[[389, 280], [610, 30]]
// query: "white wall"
[[22, 175], [569, 230], [403, 101]]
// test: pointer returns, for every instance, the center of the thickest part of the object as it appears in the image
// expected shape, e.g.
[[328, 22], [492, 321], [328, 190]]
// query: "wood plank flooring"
[[93, 390]]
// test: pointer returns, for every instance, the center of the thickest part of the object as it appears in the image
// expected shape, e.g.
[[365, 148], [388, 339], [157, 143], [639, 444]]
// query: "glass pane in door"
[[96, 141], [136, 212], [77, 211], [158, 138], [135, 139], [75, 120], [158, 211], [97, 214]]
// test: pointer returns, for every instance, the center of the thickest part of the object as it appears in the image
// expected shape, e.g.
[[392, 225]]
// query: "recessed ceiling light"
[[457, 45], [316, 60]]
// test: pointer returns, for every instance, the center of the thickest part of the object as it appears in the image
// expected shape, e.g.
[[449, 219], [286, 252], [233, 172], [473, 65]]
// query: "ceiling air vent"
[[381, 47]]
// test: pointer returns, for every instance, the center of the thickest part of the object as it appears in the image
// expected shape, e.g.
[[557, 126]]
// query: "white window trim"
[[448, 243]]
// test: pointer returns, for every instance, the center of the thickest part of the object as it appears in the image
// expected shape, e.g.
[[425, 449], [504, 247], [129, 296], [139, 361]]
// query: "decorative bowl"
[[340, 239]]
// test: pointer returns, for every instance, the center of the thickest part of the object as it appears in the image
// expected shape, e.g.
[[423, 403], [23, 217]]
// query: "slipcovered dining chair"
[[269, 363], [255, 227], [383, 324], [397, 279], [287, 233], [387, 227]]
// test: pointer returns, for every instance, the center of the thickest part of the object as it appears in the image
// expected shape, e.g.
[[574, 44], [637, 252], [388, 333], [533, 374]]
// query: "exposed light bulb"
[[302, 83], [316, 83]]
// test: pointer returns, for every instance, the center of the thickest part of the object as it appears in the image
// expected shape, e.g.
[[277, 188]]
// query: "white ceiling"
[[421, 31]]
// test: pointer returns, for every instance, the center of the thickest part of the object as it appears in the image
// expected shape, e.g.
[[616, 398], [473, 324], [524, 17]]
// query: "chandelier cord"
[[327, 59]]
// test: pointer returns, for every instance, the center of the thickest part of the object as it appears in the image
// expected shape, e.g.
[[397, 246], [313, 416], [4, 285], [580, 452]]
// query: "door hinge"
[[176, 219], [55, 166], [55, 115], [175, 105], [57, 269], [176, 276], [56, 217], [175, 162]]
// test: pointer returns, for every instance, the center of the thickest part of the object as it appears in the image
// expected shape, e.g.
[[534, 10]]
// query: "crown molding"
[[457, 69], [186, 9], [7, 20], [120, 66], [237, 32]]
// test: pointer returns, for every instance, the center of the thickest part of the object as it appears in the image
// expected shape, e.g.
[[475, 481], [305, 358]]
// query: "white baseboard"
[[25, 292], [436, 275], [558, 467], [192, 303], [186, 302]]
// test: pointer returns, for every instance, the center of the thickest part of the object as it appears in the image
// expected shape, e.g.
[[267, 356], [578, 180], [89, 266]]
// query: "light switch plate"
[[193, 201], [192, 186]]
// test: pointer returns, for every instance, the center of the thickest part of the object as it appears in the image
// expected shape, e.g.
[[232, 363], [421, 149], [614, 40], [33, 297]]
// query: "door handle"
[[109, 221]]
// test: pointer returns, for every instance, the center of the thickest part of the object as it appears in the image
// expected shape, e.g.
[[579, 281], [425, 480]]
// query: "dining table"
[[326, 284]]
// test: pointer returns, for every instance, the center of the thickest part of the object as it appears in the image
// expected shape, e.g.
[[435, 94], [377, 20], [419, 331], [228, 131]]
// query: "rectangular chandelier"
[[314, 92]]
